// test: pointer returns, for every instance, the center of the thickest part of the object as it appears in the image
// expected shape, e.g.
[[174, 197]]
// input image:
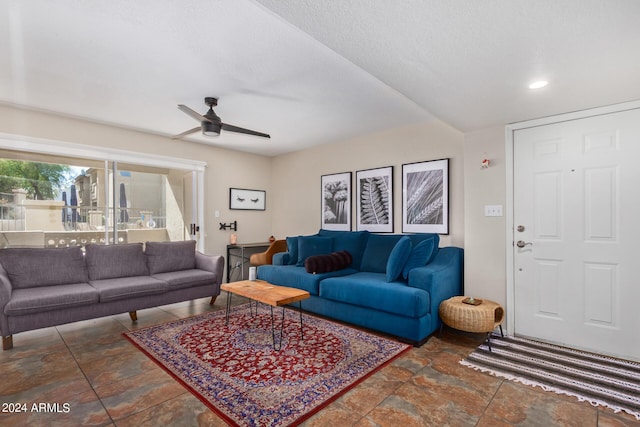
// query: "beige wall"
[[484, 239], [225, 168], [292, 181], [296, 176]]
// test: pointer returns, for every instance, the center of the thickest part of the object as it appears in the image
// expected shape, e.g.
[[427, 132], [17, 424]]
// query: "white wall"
[[484, 240], [225, 168], [296, 176]]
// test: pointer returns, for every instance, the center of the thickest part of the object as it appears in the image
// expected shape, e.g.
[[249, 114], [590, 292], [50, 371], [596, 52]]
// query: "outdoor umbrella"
[[124, 215], [73, 201], [65, 213]]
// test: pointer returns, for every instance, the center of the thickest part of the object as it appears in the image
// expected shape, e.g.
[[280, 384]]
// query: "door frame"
[[510, 130]]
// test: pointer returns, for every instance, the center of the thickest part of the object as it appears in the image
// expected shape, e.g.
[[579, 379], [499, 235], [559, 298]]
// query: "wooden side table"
[[481, 318]]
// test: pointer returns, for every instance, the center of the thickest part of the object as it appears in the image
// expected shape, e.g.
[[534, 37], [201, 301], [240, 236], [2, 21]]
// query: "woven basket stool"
[[482, 318]]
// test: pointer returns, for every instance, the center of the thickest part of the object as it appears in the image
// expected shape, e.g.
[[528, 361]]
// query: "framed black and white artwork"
[[243, 199], [375, 200], [336, 201], [425, 197]]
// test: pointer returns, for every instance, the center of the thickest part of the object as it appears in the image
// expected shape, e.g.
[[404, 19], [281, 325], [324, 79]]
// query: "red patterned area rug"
[[235, 370]]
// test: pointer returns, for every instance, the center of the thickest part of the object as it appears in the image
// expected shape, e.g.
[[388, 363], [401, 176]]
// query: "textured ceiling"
[[469, 62], [310, 72]]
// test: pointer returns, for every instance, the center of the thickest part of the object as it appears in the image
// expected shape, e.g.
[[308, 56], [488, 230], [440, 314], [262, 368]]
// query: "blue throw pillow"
[[313, 245], [397, 258], [420, 256], [419, 237], [292, 248]]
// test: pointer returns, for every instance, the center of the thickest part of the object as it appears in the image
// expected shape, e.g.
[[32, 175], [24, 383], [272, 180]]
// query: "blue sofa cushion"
[[397, 258], [420, 256], [297, 277], [377, 251], [281, 258], [334, 261], [313, 245], [292, 249], [373, 291], [353, 242]]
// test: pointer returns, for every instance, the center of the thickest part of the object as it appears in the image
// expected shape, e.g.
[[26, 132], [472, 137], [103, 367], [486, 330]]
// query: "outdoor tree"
[[42, 181]]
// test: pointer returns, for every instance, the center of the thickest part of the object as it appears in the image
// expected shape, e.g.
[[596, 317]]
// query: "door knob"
[[522, 243]]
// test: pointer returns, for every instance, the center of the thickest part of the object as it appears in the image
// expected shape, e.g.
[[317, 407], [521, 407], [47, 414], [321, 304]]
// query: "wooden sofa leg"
[[7, 342], [213, 299], [133, 315]]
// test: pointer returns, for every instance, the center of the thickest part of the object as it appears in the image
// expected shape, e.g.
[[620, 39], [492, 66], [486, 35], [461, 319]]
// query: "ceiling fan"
[[211, 124]]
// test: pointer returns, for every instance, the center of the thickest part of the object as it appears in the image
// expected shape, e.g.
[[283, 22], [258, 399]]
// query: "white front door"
[[577, 221]]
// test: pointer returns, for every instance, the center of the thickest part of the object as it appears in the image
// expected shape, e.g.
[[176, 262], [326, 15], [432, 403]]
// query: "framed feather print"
[[375, 200], [425, 197]]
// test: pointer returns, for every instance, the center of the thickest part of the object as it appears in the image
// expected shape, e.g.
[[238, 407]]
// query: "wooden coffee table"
[[266, 293]]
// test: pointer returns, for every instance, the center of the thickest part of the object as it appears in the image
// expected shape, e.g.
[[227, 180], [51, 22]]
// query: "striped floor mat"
[[599, 380]]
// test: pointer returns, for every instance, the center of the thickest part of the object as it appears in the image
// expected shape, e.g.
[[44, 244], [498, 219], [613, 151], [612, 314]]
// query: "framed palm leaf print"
[[336, 202], [425, 197], [375, 200]]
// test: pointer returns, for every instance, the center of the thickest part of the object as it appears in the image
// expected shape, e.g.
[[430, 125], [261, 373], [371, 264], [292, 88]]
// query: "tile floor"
[[99, 379]]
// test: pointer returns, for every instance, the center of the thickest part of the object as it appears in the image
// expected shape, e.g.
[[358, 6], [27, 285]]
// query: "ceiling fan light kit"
[[211, 124], [210, 129]]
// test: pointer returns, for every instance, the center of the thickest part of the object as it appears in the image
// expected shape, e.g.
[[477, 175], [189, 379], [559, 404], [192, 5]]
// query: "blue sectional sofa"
[[394, 284]]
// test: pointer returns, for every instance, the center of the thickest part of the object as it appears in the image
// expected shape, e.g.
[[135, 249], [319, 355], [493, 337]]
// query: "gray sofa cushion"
[[37, 300], [34, 267], [128, 287], [114, 261], [163, 257], [187, 278]]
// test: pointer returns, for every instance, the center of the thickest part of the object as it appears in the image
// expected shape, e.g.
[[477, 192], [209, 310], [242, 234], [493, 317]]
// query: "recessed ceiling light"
[[539, 84]]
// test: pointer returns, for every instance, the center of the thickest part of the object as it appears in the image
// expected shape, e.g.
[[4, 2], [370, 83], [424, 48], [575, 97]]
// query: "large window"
[[60, 201]]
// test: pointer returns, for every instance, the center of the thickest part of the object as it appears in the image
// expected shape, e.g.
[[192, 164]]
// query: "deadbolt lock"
[[520, 228]]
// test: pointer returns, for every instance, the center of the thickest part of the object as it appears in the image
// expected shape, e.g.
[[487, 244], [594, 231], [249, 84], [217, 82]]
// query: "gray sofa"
[[42, 287]]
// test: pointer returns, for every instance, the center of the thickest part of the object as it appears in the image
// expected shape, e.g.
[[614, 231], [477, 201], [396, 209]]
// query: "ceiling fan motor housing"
[[210, 128]]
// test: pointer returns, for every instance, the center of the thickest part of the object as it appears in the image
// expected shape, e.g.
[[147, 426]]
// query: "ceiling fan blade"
[[186, 133], [237, 129], [199, 117]]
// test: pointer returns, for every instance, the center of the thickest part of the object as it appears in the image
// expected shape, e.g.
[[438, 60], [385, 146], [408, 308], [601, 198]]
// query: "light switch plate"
[[493, 210]]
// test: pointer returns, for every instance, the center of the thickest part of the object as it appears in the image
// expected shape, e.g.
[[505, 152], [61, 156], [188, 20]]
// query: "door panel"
[[575, 194]]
